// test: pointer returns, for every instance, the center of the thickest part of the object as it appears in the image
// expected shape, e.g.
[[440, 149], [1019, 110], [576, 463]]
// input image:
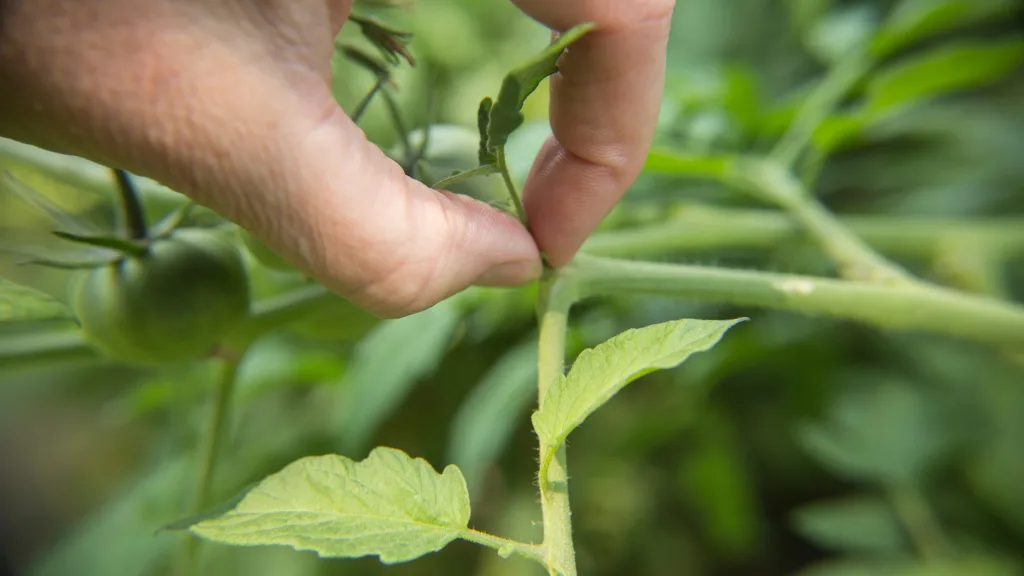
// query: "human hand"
[[229, 103]]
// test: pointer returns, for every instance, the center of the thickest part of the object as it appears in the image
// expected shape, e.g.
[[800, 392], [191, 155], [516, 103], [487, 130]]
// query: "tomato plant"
[[820, 288]]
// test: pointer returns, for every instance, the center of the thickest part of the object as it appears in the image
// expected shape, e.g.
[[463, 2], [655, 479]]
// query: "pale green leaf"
[[911, 21], [389, 505], [600, 372], [864, 524], [950, 68], [387, 364], [21, 303], [486, 420]]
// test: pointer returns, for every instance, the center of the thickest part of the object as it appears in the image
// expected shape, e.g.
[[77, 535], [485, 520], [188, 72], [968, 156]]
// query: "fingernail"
[[511, 274]]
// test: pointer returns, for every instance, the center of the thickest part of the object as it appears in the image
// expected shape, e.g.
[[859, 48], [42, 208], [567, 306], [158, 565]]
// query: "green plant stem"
[[904, 306], [708, 228], [556, 298], [503, 167], [363, 104], [504, 546], [818, 106], [855, 259], [921, 525], [212, 440], [134, 218]]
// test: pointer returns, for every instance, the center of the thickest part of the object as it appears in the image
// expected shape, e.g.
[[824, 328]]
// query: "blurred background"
[[797, 446]]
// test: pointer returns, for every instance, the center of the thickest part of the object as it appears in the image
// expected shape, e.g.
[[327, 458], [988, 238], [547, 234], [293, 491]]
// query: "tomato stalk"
[[134, 217], [212, 442]]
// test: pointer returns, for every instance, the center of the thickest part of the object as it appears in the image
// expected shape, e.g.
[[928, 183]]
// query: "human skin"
[[229, 103]]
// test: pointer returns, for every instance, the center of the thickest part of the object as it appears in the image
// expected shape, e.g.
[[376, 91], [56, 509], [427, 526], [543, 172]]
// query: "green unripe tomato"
[[175, 303], [262, 253]]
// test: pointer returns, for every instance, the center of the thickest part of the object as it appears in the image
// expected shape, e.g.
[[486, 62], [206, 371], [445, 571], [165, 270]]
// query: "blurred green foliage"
[[797, 446]]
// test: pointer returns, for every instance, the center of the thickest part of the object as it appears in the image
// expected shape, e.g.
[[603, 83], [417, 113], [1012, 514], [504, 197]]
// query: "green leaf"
[[386, 365], [720, 488], [506, 113], [602, 371], [860, 525], [914, 20], [952, 67], [488, 417], [389, 505], [886, 433], [70, 222], [20, 304], [483, 119]]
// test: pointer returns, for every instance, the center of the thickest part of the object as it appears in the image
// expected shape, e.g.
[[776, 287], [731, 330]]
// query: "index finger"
[[605, 101]]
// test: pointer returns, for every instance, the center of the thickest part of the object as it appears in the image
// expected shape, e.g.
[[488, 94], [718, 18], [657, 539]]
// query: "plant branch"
[[504, 546], [819, 104], [855, 259], [707, 228], [701, 227], [503, 167], [556, 298], [904, 306], [212, 440], [919, 522]]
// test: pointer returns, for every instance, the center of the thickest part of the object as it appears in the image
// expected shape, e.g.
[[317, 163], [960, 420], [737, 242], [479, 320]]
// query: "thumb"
[[353, 220]]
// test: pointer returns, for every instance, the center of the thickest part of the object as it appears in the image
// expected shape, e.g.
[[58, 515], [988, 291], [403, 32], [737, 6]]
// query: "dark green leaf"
[[886, 433], [19, 304], [506, 114], [387, 363], [914, 20], [483, 118], [859, 525], [720, 487]]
